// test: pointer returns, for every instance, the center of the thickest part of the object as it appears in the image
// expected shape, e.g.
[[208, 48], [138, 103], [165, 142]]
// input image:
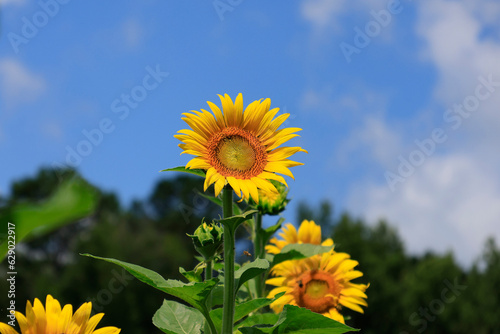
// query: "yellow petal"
[[92, 323], [353, 292], [218, 114], [23, 323], [6, 329], [277, 167], [65, 318], [79, 320], [209, 178], [235, 184], [219, 184], [349, 304], [252, 190], [272, 176], [41, 318], [282, 153], [276, 281], [107, 330]]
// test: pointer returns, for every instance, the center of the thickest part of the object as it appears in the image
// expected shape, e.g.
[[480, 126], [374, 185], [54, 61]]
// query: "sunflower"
[[321, 283], [239, 148], [53, 320]]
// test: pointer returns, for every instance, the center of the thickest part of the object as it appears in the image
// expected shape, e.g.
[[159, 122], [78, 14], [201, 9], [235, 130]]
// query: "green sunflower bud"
[[207, 240], [273, 203]]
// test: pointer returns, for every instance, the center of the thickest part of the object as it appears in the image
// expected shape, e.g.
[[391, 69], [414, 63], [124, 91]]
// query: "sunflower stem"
[[258, 249], [229, 287], [209, 322], [209, 328]]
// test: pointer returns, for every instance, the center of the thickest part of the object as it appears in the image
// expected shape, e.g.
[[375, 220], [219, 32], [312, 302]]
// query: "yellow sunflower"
[[321, 283], [239, 148], [53, 320]]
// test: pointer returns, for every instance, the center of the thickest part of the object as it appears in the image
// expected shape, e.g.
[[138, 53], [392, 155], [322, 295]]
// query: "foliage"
[[408, 294]]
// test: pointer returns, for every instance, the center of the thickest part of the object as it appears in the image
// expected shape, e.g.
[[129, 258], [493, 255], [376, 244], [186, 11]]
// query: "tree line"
[[407, 294]]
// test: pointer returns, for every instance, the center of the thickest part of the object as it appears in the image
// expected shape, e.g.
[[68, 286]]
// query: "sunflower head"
[[53, 319], [321, 283], [207, 240], [239, 147], [309, 233]]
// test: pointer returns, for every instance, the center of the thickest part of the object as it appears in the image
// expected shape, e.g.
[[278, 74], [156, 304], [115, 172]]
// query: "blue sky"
[[398, 100]]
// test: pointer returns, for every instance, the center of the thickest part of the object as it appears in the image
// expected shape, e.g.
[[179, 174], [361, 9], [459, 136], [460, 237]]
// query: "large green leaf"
[[298, 320], [73, 200], [197, 172], [175, 318], [249, 271], [193, 293], [241, 310], [299, 251]]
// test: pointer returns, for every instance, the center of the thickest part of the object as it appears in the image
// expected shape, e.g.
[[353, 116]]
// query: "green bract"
[[273, 204], [207, 240]]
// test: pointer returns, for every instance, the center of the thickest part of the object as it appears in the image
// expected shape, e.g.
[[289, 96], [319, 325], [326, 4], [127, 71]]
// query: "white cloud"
[[450, 203], [322, 13], [17, 84], [374, 140], [325, 14], [451, 32]]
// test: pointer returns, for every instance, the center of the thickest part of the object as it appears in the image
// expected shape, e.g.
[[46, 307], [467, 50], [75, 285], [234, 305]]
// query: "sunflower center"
[[317, 290], [237, 152]]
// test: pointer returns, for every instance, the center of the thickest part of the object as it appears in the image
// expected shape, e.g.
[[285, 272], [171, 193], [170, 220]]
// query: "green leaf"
[[193, 275], [259, 319], [235, 221], [218, 201], [299, 251], [267, 233], [298, 320], [193, 293], [175, 318], [73, 200], [212, 199], [249, 271], [241, 310], [198, 172]]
